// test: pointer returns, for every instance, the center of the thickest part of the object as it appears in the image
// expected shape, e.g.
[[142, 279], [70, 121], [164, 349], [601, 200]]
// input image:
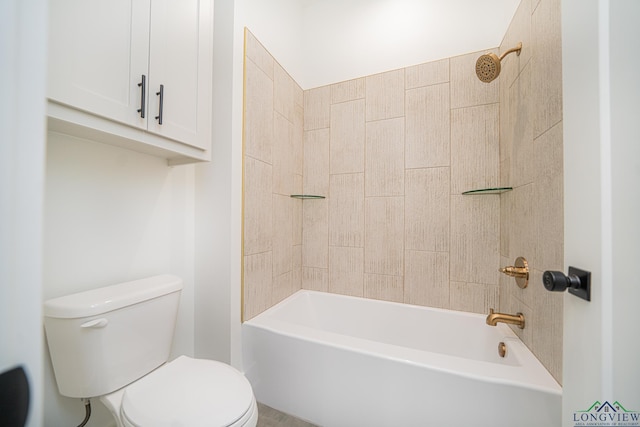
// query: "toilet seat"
[[189, 392]]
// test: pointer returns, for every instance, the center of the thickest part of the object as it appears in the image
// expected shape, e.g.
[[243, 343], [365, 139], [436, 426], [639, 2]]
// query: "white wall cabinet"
[[108, 61]]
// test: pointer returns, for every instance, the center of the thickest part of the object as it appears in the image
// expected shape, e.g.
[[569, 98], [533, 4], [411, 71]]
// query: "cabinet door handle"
[[143, 92], [161, 93]]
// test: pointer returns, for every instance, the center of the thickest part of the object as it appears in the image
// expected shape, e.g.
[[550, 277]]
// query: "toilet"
[[113, 344]]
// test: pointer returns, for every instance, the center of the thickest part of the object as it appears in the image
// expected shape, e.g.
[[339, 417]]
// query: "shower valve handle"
[[557, 281], [578, 282]]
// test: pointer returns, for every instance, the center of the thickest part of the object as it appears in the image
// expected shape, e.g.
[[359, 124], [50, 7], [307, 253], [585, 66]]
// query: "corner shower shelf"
[[306, 196], [497, 190]]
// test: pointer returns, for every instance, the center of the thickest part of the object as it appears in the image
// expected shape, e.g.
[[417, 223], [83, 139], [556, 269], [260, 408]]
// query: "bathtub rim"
[[536, 376]]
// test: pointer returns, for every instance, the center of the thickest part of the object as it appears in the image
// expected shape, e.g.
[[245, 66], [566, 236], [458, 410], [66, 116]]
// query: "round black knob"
[[557, 281]]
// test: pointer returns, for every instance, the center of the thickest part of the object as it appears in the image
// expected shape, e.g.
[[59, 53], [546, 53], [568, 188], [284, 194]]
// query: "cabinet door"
[[98, 51], [180, 60]]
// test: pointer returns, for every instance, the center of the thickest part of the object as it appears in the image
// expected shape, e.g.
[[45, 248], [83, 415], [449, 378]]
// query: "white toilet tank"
[[103, 339]]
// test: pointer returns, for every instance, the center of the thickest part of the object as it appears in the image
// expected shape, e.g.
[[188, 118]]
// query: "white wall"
[[348, 39], [217, 216], [624, 39], [279, 24], [602, 201], [327, 41], [113, 215], [581, 376], [23, 31]]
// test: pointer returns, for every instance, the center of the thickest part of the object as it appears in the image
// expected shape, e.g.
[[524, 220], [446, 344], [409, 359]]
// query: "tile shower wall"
[[392, 153], [531, 216], [272, 247]]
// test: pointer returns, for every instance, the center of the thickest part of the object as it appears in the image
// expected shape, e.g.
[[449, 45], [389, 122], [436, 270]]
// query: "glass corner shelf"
[[305, 196], [496, 190]]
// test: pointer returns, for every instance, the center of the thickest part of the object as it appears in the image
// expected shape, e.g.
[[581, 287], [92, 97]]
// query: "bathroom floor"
[[269, 417]]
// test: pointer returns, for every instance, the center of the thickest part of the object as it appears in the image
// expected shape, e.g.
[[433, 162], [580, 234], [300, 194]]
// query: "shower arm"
[[517, 49]]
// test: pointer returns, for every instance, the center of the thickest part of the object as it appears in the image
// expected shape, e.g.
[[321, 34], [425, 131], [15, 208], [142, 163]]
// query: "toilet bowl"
[[186, 392], [113, 343]]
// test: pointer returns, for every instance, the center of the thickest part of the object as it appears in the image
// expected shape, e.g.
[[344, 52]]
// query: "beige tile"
[[347, 91], [283, 234], [530, 296], [257, 283], [297, 205], [474, 148], [522, 224], [475, 236], [258, 113], [283, 93], [474, 297], [383, 287], [384, 165], [466, 89], [519, 31], [506, 134], [520, 132], [298, 95], [346, 210], [384, 235], [316, 162], [283, 155], [507, 299], [535, 295], [507, 288], [548, 194], [427, 74], [283, 286], [385, 95], [547, 327], [507, 203], [258, 212], [297, 278], [297, 265], [526, 334], [534, 5], [427, 209], [517, 231], [298, 140], [315, 233], [347, 137], [428, 127], [345, 271], [317, 108], [315, 279], [505, 166], [259, 54], [426, 279], [546, 63]]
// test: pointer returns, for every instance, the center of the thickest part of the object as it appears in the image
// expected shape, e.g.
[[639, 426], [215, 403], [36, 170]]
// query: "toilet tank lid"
[[109, 298]]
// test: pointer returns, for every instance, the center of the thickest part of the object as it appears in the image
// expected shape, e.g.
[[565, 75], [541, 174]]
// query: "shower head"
[[488, 65]]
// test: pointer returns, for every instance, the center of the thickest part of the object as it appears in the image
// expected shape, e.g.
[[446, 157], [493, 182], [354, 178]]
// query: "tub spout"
[[494, 318]]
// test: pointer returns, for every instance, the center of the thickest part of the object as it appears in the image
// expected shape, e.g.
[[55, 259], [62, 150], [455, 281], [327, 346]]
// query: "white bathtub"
[[343, 361]]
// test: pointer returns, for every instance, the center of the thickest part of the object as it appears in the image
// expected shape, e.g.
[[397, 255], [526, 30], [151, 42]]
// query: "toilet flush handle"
[[95, 323]]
